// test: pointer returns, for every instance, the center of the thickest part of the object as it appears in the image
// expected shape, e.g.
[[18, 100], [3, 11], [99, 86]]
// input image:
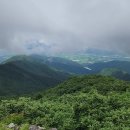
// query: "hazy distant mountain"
[[56, 63], [99, 52], [26, 76], [121, 65], [64, 65], [117, 73], [4, 55], [94, 56]]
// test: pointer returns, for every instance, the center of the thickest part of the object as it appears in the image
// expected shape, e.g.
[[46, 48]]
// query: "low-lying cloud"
[[64, 25]]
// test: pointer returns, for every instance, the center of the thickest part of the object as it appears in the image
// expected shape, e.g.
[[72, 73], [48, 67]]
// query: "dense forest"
[[80, 103]]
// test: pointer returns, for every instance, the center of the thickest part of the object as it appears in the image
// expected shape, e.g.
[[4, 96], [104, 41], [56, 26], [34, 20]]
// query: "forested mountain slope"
[[81, 103], [57, 63], [22, 77]]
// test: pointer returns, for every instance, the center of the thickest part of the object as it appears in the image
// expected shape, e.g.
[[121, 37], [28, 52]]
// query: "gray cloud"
[[65, 25]]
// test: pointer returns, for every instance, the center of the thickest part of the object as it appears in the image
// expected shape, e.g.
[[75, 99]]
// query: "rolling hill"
[[117, 73], [98, 67], [27, 76], [66, 65], [56, 63]]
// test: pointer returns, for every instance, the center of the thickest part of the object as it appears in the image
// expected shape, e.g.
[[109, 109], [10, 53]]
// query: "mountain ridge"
[[22, 77]]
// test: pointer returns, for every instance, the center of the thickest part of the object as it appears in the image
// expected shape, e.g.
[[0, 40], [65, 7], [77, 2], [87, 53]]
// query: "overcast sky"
[[64, 25]]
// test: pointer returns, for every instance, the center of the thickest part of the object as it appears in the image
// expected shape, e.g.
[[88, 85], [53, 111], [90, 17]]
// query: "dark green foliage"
[[81, 103], [87, 83]]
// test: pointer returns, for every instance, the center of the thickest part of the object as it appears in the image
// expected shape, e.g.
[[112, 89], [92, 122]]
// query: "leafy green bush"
[[81, 103]]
